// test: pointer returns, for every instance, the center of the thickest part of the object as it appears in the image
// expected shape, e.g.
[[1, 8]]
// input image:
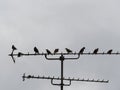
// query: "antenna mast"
[[60, 57]]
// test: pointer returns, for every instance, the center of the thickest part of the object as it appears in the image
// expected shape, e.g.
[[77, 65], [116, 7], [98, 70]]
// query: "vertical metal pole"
[[61, 74], [62, 59]]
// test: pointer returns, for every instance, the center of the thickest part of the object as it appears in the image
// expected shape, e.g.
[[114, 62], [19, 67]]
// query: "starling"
[[14, 48], [68, 50], [20, 54], [56, 50], [29, 76], [82, 50], [95, 51], [48, 52], [109, 51], [36, 50]]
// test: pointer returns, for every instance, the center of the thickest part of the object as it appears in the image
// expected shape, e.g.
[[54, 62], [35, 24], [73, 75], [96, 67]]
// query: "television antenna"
[[61, 57]]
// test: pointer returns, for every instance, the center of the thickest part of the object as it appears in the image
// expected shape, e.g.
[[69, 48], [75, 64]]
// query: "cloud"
[[59, 24]]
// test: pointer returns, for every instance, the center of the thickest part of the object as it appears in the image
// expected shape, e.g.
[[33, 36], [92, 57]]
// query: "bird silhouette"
[[56, 50], [29, 76], [36, 50], [95, 51], [82, 50], [14, 48], [109, 51], [20, 54], [48, 52], [68, 50]]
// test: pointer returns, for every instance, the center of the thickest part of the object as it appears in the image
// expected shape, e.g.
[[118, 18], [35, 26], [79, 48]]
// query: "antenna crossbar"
[[67, 79], [32, 54]]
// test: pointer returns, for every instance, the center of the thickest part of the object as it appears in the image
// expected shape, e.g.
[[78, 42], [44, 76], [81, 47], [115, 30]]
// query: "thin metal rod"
[[61, 74], [68, 79], [66, 54]]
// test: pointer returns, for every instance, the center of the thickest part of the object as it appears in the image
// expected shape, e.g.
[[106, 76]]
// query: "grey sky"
[[59, 24]]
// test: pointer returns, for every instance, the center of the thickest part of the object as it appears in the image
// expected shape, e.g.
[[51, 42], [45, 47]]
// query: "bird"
[[95, 51], [109, 51], [68, 50], [82, 50], [36, 50], [29, 76], [48, 52], [14, 48], [56, 50], [20, 54]]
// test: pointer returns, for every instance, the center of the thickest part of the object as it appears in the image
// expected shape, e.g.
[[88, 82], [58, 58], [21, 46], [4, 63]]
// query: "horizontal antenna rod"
[[69, 79], [28, 54]]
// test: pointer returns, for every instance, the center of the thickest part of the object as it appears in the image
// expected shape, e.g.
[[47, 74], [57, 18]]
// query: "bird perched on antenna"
[[36, 50], [68, 50], [48, 52], [81, 51], [109, 51], [95, 51], [20, 54], [14, 48], [56, 50]]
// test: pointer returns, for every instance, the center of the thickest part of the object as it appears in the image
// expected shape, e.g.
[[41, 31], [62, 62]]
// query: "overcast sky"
[[59, 24]]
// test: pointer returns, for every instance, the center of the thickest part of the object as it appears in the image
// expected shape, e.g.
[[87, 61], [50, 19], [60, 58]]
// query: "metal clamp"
[[46, 56], [60, 84]]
